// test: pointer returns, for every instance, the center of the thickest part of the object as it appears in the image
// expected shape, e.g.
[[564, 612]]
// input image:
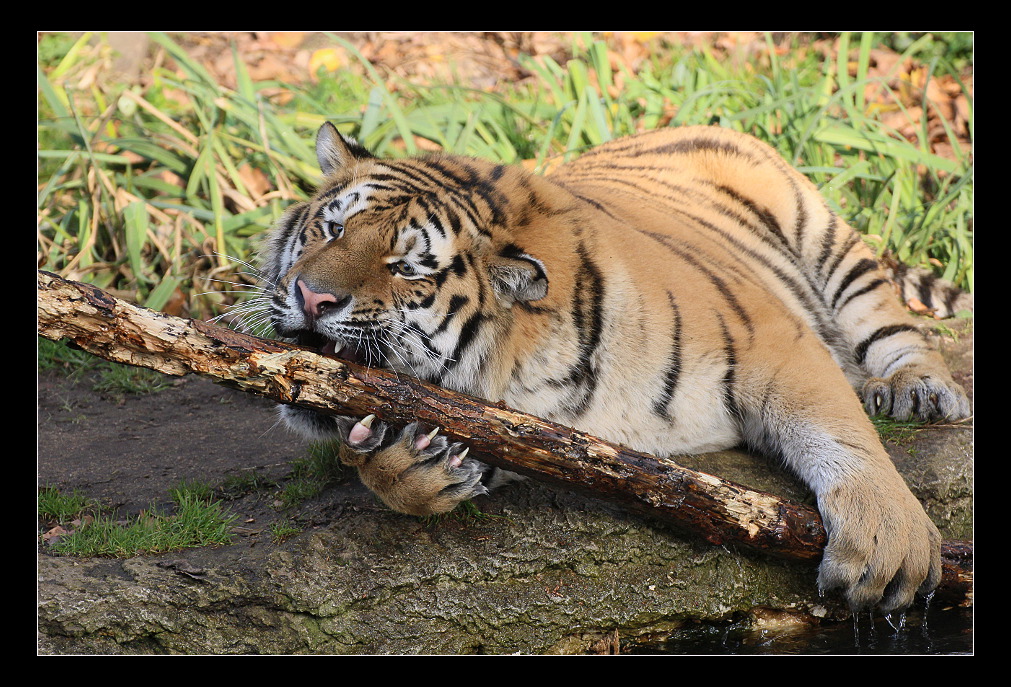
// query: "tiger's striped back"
[[742, 213]]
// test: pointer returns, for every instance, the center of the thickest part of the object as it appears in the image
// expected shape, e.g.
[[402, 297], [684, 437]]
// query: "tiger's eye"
[[335, 229], [404, 269]]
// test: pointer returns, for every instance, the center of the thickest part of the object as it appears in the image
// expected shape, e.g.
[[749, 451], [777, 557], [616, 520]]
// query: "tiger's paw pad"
[[914, 395]]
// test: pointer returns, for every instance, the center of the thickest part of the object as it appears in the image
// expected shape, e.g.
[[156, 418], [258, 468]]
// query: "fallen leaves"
[[55, 533], [912, 100]]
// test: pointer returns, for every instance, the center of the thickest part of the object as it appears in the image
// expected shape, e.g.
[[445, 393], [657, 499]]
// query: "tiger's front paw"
[[912, 394], [415, 473], [882, 549]]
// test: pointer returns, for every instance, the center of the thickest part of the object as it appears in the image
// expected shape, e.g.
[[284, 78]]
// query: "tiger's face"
[[380, 270], [361, 278]]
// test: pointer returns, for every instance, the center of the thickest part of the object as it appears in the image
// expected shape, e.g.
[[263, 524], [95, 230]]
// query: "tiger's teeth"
[[367, 421], [431, 435]]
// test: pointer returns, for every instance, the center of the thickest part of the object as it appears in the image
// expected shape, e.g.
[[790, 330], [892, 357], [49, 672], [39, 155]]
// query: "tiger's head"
[[411, 264]]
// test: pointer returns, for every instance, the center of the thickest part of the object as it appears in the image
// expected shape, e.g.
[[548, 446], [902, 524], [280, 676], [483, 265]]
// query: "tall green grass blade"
[[217, 207], [84, 231], [155, 153], [201, 169], [863, 65], [601, 131], [871, 141], [551, 76], [576, 132], [396, 113], [373, 114], [244, 84], [192, 68], [135, 224], [56, 98], [578, 78], [70, 59], [160, 295], [891, 219], [73, 156]]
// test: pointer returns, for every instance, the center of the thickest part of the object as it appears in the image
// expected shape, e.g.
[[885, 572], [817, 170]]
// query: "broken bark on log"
[[720, 511]]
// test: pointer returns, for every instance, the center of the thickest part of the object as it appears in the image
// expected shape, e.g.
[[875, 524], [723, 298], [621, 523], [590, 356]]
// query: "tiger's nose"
[[315, 304]]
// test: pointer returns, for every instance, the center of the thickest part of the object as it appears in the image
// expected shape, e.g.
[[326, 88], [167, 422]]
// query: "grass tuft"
[[62, 508], [195, 522]]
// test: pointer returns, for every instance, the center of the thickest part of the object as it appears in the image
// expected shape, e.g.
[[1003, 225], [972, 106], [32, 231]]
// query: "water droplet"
[[897, 624]]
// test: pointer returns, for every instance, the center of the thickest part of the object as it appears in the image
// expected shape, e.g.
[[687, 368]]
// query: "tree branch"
[[720, 511]]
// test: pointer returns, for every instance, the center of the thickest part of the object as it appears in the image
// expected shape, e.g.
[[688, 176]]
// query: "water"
[[936, 631]]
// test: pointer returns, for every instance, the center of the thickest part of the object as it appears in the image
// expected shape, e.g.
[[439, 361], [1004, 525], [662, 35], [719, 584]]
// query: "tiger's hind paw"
[[916, 395]]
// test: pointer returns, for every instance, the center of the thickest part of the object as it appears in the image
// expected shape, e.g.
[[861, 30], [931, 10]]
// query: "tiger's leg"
[[892, 365], [882, 547], [411, 471], [905, 376], [908, 378]]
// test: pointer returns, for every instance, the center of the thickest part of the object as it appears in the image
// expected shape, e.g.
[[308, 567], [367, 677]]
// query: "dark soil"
[[127, 451]]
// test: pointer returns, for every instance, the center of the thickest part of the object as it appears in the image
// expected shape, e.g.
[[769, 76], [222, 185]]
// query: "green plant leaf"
[[160, 295], [135, 223]]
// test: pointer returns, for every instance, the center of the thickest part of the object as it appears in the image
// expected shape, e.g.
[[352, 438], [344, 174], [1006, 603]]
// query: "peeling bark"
[[720, 511]]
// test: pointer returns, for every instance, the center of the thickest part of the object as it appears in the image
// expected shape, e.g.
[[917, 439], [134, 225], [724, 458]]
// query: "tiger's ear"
[[518, 276], [335, 151]]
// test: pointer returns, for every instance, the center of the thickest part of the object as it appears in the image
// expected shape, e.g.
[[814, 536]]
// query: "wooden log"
[[719, 510]]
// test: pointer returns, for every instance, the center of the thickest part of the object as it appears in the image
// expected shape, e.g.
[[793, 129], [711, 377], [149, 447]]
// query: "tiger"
[[678, 291]]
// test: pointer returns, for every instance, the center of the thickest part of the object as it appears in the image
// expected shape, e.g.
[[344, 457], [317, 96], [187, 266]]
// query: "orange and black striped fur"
[[678, 291]]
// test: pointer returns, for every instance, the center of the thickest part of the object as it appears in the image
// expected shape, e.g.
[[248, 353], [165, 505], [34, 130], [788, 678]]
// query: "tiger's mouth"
[[338, 349]]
